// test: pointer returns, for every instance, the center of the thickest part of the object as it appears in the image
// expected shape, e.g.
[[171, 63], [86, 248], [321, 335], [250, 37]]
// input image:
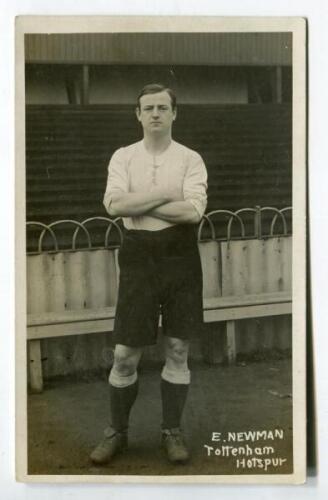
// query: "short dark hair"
[[155, 88]]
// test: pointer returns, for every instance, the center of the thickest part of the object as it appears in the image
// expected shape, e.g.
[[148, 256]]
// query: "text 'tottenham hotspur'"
[[250, 454]]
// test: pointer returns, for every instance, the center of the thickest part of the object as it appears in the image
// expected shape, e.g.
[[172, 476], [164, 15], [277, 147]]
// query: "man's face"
[[156, 114]]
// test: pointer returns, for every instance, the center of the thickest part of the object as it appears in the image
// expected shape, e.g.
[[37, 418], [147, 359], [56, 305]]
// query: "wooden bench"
[[73, 293], [227, 309]]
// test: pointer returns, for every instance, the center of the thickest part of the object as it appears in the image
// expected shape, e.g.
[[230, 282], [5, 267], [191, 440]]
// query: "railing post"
[[258, 222]]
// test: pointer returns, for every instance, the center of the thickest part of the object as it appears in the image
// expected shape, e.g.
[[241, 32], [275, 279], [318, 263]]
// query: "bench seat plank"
[[230, 301], [72, 316], [63, 323], [250, 311], [64, 329], [86, 321]]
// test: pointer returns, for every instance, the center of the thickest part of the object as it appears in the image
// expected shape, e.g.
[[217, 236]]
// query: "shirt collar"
[[156, 159]]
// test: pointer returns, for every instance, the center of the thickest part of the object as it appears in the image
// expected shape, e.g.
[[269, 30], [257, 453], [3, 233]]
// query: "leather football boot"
[[112, 444], [174, 445]]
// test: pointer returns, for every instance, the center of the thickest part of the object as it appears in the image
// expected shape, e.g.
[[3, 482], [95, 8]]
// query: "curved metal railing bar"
[[207, 218], [45, 228], [91, 219], [67, 221], [274, 220], [237, 212], [201, 225], [115, 224], [278, 212], [233, 214]]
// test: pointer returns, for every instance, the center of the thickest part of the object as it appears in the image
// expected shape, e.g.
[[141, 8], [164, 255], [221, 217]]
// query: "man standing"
[[159, 188]]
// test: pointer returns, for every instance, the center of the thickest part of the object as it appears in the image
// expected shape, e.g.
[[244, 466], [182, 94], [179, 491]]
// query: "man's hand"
[[178, 212], [134, 204]]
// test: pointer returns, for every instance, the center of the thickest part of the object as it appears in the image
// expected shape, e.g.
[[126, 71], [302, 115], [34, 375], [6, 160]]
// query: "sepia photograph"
[[160, 201]]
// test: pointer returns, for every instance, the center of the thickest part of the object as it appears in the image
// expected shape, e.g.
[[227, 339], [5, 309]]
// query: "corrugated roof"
[[161, 48]]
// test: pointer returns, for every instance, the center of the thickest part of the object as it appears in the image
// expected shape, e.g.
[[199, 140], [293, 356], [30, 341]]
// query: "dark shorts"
[[160, 272]]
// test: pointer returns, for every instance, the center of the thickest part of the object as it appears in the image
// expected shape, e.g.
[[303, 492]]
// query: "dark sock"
[[173, 401], [121, 402]]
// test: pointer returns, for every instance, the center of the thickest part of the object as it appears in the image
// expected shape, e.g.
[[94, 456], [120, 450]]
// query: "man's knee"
[[126, 360], [177, 351], [176, 369]]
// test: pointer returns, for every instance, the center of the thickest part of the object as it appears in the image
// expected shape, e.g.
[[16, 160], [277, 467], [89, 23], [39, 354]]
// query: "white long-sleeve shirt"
[[132, 169]]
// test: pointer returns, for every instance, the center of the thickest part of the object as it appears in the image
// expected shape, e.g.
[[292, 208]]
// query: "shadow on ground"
[[66, 421]]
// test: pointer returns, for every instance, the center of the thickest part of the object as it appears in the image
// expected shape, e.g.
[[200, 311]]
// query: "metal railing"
[[209, 221], [236, 216]]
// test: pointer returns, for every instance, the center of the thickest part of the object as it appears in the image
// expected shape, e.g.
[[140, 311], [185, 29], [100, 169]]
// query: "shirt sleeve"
[[195, 184], [117, 180]]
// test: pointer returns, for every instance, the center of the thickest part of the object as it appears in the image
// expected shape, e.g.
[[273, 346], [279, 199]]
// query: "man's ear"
[[175, 112], [138, 113]]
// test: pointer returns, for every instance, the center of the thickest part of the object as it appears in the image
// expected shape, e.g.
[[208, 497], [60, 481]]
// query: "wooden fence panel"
[[57, 278], [76, 282], [254, 266], [72, 281], [37, 296], [280, 269], [89, 279], [210, 259], [102, 278]]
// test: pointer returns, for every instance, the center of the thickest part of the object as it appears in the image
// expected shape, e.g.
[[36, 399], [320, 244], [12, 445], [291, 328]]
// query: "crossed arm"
[[168, 206]]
